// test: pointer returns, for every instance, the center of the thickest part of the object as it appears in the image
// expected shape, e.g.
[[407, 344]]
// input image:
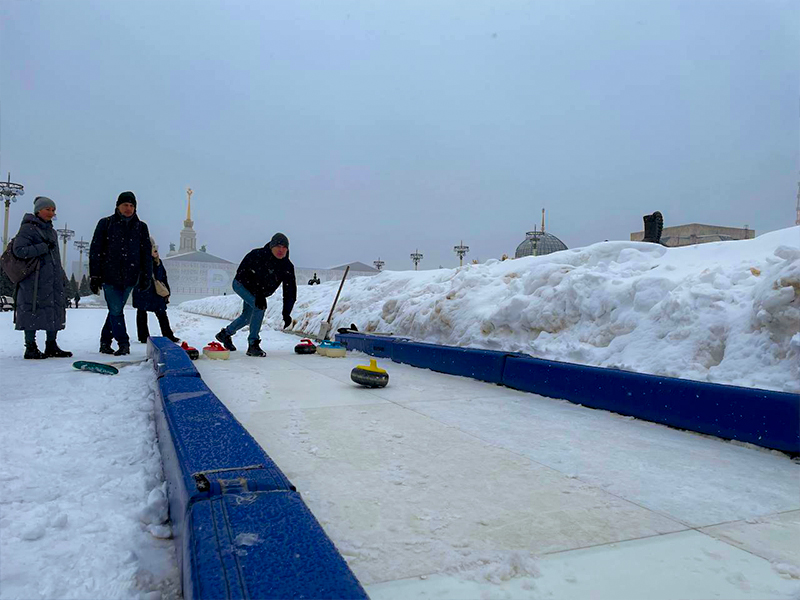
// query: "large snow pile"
[[727, 312]]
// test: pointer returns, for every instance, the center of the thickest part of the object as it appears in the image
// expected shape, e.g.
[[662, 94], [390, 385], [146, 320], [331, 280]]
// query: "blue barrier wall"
[[761, 417], [240, 528], [468, 362], [170, 359], [267, 545], [380, 346]]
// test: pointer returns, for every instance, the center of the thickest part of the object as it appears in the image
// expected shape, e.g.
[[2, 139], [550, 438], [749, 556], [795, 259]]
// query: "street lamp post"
[[65, 235], [416, 257], [461, 250], [82, 247], [378, 263], [9, 191]]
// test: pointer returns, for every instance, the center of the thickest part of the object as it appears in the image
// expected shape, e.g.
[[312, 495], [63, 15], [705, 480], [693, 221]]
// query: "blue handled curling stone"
[[306, 346], [370, 376], [331, 349]]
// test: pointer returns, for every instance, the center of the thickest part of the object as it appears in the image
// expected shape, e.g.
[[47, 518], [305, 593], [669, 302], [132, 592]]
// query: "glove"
[[287, 320], [51, 244], [95, 283], [261, 302]]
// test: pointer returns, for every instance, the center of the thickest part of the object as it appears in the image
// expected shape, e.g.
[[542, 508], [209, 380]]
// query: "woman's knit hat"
[[41, 202]]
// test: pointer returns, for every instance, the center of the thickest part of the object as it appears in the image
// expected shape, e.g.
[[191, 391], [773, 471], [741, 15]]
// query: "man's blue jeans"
[[116, 297], [250, 314]]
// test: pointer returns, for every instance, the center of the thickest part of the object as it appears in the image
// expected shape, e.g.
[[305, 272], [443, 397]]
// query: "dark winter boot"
[[106, 348], [51, 349], [173, 339], [225, 338], [123, 350], [32, 351], [254, 349]]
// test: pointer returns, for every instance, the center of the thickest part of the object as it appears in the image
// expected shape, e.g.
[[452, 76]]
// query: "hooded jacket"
[[261, 274]]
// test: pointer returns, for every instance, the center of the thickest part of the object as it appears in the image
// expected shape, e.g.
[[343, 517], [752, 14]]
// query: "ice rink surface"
[[444, 487]]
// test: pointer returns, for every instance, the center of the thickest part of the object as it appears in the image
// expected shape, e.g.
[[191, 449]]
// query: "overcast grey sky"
[[366, 129]]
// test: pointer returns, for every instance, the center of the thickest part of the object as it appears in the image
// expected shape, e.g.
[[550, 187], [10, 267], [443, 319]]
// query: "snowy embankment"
[[727, 312]]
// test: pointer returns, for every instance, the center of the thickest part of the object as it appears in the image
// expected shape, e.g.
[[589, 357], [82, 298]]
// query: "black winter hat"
[[126, 197], [279, 239]]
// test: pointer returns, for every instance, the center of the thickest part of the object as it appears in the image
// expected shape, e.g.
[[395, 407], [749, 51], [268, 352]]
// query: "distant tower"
[[461, 250], [416, 257], [188, 235], [66, 235], [797, 219]]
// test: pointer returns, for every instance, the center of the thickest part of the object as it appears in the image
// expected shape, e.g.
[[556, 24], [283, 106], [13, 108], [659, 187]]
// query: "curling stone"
[[306, 346], [192, 352], [217, 351], [331, 349], [371, 376]]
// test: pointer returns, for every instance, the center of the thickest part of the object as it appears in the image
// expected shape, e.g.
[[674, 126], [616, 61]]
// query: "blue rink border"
[[761, 417], [241, 529]]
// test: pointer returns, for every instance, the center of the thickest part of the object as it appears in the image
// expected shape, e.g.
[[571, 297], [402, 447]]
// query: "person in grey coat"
[[41, 298]]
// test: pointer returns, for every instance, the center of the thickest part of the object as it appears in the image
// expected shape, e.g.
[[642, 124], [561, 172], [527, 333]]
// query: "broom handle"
[[337, 293]]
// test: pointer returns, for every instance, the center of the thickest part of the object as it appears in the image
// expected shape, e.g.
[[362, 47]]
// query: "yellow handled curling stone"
[[370, 376]]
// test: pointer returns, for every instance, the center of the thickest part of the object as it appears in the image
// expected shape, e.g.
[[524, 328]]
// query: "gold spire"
[[189, 193]]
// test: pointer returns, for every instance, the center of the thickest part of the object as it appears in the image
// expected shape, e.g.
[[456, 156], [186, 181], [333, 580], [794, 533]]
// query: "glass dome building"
[[539, 243]]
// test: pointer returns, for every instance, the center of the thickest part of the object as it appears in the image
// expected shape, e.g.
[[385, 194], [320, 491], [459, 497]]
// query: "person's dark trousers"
[[30, 336], [142, 329], [163, 323], [116, 297], [251, 315]]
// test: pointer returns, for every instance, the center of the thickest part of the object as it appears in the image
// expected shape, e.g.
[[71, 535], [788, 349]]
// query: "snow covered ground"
[[438, 486], [82, 489], [727, 312]]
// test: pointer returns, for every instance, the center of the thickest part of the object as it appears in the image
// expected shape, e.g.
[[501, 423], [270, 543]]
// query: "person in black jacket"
[[119, 260], [41, 301], [261, 272], [150, 300]]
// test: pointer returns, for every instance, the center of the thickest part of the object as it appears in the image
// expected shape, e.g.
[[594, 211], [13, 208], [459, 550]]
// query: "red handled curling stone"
[[216, 351], [193, 353], [306, 346], [370, 376]]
